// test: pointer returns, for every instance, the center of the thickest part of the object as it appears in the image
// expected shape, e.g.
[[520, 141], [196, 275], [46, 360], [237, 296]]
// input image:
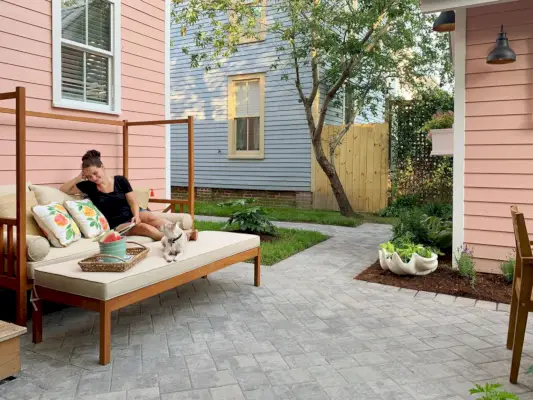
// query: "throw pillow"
[[47, 194], [8, 209], [57, 224], [85, 214]]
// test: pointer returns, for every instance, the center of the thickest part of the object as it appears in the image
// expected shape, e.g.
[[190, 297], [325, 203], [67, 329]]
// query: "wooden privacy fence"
[[362, 162]]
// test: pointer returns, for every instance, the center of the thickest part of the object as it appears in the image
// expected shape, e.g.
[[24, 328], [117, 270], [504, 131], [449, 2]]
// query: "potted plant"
[[407, 258], [439, 131]]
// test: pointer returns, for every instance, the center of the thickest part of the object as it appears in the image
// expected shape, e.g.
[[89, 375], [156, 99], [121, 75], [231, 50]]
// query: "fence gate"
[[362, 162]]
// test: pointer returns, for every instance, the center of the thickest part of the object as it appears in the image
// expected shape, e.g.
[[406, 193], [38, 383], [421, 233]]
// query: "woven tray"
[[95, 263]]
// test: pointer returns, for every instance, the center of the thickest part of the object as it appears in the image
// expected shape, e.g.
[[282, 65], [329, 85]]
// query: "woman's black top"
[[114, 205]]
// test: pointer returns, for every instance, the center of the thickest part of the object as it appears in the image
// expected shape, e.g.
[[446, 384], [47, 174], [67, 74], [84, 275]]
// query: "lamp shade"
[[501, 53], [445, 22]]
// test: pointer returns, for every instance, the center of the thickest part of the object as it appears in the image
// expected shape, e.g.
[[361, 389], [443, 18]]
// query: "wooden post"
[[190, 148], [37, 322], [105, 333], [257, 269], [22, 283], [125, 144]]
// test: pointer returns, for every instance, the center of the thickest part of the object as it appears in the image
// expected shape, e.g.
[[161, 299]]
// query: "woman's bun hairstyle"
[[91, 154], [91, 159]]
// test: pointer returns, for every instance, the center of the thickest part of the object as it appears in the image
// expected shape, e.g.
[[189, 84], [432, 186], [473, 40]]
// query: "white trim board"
[[168, 191], [115, 93], [459, 129], [431, 6]]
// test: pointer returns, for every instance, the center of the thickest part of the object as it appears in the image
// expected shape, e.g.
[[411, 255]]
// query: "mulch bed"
[[489, 287]]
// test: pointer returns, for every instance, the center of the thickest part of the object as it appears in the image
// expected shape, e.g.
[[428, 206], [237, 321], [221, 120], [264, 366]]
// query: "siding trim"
[[167, 101], [459, 129]]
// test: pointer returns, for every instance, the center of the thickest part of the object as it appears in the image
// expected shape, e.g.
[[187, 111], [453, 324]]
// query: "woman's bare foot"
[[193, 235]]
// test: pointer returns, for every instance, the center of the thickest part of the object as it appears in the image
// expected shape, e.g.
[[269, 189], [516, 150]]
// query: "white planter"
[[384, 259], [417, 265], [441, 142]]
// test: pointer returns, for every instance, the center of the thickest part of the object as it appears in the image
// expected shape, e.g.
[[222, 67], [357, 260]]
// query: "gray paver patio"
[[309, 332]]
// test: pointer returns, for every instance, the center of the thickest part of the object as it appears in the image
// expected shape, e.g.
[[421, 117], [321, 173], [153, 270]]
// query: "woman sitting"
[[114, 197]]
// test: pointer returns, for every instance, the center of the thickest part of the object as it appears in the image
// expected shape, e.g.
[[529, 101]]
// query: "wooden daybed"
[[64, 282]]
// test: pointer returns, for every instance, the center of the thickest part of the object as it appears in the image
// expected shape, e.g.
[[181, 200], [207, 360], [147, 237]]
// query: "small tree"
[[353, 49]]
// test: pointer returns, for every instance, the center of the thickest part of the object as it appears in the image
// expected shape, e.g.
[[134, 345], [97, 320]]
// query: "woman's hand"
[[136, 220]]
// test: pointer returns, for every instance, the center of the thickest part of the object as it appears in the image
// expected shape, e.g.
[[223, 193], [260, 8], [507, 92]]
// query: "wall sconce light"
[[445, 22], [502, 53]]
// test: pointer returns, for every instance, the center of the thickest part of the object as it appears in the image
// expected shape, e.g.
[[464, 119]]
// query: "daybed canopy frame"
[[14, 274]]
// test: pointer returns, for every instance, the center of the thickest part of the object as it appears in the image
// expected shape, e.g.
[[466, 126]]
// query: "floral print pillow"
[[57, 224], [90, 220]]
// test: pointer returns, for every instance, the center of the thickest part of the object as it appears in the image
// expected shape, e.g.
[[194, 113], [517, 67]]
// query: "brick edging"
[[445, 298]]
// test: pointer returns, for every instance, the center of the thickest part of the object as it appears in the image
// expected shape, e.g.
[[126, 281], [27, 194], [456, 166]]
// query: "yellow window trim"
[[232, 150]]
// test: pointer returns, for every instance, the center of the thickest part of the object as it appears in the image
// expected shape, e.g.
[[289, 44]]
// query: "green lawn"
[[289, 241], [295, 215]]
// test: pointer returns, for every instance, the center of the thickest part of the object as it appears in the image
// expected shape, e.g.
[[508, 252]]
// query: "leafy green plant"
[[507, 267], [401, 203], [439, 233], [405, 249], [439, 121], [411, 227], [491, 391], [252, 220], [466, 265], [438, 209], [237, 203], [389, 247]]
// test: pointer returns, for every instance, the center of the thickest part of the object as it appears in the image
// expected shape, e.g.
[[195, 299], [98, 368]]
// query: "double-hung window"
[[86, 59], [259, 9], [246, 118]]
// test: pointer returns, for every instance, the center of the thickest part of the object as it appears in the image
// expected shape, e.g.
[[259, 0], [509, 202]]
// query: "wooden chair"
[[521, 302]]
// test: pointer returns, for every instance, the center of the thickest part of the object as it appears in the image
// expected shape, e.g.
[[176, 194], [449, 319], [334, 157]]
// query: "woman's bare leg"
[[148, 218], [144, 229]]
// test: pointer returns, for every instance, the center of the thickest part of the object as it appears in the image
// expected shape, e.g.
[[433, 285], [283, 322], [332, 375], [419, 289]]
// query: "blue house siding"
[[287, 161]]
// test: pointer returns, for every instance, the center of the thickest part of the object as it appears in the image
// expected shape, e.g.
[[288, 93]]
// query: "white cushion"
[[47, 194], [12, 189], [210, 247], [75, 251]]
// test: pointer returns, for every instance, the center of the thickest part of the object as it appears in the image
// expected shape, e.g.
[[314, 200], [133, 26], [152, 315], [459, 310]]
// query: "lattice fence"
[[413, 170]]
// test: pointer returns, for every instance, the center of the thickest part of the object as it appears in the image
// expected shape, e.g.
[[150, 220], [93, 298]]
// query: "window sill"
[[84, 107], [249, 41], [252, 156]]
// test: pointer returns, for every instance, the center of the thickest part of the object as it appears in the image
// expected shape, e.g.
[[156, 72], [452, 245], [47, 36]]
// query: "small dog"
[[173, 242]]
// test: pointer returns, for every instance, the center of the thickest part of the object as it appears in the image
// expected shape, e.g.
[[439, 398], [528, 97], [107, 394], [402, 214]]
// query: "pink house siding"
[[55, 148], [499, 131]]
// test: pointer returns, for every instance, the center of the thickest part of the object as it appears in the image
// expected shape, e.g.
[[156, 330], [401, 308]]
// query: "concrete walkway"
[[310, 332]]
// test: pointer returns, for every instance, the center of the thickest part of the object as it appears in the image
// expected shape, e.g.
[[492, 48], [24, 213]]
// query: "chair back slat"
[[523, 248]]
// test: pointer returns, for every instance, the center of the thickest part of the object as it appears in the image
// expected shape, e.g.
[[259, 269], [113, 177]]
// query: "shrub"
[[439, 233], [466, 265], [416, 226], [507, 268], [436, 209], [492, 391], [252, 220], [401, 203], [410, 226]]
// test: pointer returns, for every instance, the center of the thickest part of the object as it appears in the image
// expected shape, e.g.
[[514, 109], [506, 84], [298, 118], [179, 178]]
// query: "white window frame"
[[114, 106], [233, 153]]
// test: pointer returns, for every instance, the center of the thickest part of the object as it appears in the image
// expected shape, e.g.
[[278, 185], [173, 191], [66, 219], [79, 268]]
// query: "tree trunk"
[[336, 185]]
